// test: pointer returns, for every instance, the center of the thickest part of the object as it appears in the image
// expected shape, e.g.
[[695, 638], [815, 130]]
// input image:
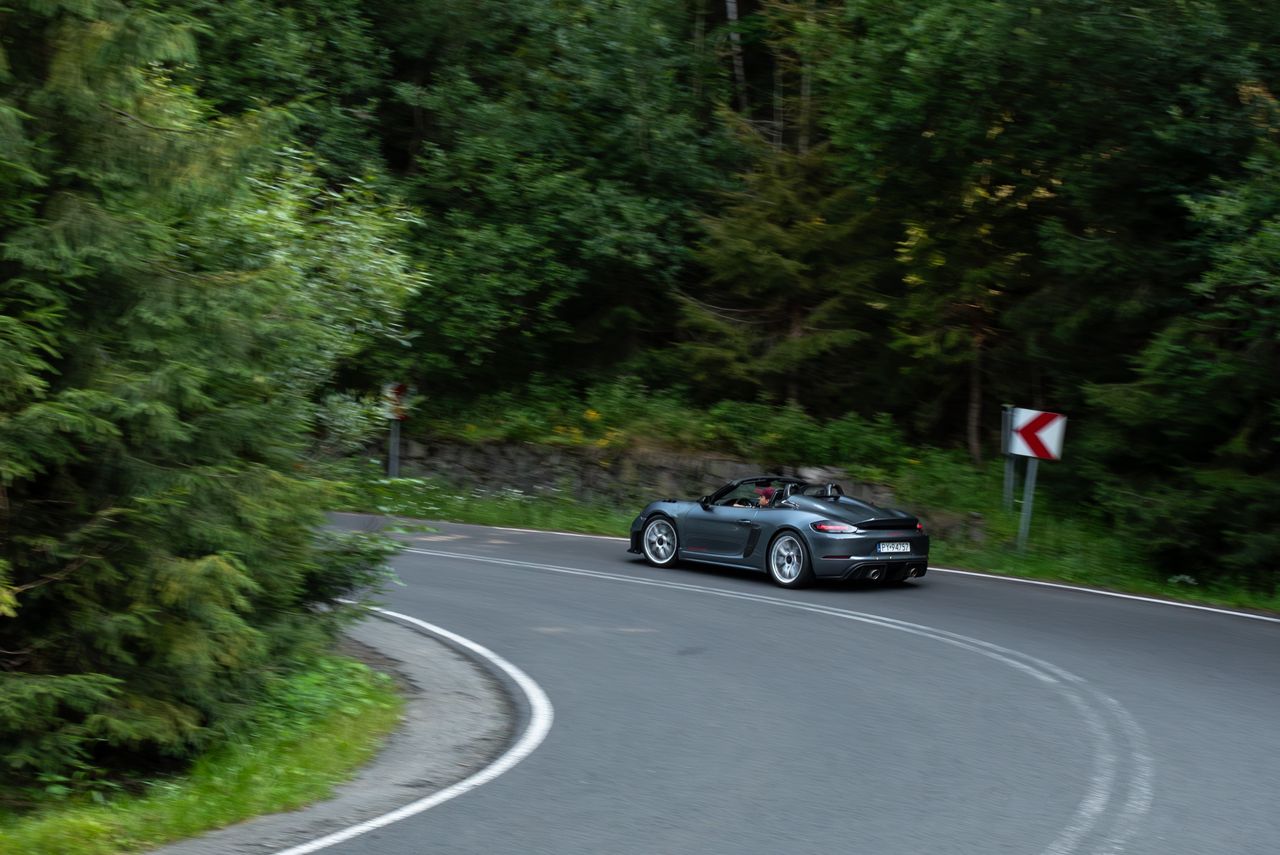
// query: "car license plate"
[[894, 546]]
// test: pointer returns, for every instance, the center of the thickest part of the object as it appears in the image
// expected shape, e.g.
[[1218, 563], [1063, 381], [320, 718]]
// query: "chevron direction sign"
[[1033, 433]]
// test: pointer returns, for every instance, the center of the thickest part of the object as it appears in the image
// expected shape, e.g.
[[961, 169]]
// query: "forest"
[[226, 223]]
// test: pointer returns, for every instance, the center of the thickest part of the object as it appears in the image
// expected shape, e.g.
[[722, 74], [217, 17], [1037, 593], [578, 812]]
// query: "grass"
[[1062, 548], [1209, 526], [1066, 544], [315, 729], [427, 500], [1081, 553]]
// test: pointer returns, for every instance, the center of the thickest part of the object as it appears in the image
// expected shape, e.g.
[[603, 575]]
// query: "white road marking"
[[992, 576], [1084, 590], [1142, 788], [541, 715], [1098, 792], [557, 533]]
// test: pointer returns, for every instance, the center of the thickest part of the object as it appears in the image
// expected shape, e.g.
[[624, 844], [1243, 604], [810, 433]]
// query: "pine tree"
[[784, 284], [1189, 449], [172, 295], [555, 154]]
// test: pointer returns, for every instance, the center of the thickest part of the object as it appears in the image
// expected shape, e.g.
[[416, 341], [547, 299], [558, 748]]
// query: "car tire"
[[787, 561], [660, 542]]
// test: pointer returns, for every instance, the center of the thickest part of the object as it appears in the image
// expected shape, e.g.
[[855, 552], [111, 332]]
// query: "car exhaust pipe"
[[874, 573]]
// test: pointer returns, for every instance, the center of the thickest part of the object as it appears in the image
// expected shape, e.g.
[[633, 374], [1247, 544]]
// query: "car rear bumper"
[[881, 568], [858, 556]]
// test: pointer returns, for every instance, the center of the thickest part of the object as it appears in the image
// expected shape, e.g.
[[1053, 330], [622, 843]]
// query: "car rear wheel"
[[660, 542], [788, 562]]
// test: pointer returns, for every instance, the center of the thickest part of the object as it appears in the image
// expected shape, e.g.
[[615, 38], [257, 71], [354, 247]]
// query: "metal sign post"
[[395, 411], [393, 450], [1010, 462], [1028, 496]]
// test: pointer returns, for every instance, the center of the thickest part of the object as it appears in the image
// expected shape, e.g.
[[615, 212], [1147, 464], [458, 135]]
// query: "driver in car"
[[764, 495]]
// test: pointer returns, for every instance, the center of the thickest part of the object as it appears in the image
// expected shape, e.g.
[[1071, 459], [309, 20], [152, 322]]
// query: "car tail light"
[[920, 527], [830, 527]]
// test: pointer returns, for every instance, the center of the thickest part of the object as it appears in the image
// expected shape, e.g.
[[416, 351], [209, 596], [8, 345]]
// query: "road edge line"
[[538, 714], [1105, 593], [980, 574]]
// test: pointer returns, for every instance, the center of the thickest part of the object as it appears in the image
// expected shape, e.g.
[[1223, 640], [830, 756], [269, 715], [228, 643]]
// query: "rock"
[[945, 525], [822, 475], [617, 477]]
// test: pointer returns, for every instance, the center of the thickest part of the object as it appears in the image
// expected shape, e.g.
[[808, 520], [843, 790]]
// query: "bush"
[[772, 435], [872, 446]]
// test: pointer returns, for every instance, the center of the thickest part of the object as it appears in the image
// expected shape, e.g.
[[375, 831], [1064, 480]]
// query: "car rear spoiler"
[[896, 523]]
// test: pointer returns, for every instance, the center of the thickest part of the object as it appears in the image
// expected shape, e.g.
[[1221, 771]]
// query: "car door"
[[717, 531]]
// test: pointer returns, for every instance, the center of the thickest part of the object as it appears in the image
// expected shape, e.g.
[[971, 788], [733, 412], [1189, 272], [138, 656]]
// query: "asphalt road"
[[706, 711]]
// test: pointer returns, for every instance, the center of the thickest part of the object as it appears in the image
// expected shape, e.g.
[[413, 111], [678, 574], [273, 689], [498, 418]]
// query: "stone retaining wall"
[[613, 475], [630, 477]]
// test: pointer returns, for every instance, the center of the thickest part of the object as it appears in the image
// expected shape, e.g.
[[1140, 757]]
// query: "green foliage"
[[430, 500], [1068, 544], [345, 421], [318, 59], [45, 718], [625, 412], [307, 733], [176, 291], [326, 687], [775, 435], [1190, 449], [781, 290], [1025, 226], [867, 446], [553, 153], [943, 479], [895, 217], [988, 203]]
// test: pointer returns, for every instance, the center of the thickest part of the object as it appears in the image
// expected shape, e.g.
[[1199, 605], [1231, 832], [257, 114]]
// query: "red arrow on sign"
[[1030, 433]]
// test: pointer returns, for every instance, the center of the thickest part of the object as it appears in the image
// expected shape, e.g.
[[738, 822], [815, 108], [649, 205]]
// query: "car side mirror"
[[705, 501]]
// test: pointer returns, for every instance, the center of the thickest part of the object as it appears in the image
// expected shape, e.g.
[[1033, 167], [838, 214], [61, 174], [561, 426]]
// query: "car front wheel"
[[660, 542], [789, 561]]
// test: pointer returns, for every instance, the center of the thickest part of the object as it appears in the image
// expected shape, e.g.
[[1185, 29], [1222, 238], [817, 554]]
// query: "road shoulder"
[[457, 719]]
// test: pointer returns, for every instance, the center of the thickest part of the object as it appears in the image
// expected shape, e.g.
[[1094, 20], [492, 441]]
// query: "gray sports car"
[[793, 530]]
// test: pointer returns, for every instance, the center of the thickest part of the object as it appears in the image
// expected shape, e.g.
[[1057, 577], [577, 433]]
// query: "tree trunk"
[[806, 87], [418, 127], [974, 421], [735, 46], [699, 42], [779, 106], [795, 332]]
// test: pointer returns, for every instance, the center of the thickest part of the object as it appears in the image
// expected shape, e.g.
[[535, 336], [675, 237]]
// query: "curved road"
[[705, 711]]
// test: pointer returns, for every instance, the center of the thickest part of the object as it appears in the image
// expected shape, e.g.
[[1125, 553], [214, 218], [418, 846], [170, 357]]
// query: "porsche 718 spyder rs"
[[794, 530]]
